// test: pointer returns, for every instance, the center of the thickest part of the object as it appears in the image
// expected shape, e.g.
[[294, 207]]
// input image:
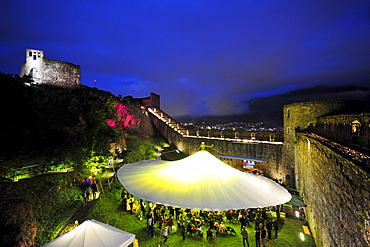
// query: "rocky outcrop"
[[17, 225]]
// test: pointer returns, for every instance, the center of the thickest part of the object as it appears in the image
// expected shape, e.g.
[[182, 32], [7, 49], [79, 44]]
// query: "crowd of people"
[[199, 223]]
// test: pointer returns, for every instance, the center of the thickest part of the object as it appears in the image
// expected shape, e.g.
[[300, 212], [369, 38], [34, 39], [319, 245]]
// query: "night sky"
[[202, 57]]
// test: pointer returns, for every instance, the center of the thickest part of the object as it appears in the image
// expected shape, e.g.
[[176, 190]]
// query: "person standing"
[[258, 237], [269, 228], [275, 228], [165, 234], [169, 223], [94, 189], [263, 237], [124, 204], [243, 222], [245, 236], [150, 224], [86, 195], [142, 206], [182, 230]]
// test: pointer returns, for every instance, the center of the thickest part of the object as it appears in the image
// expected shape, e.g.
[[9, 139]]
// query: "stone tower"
[[43, 70], [34, 65]]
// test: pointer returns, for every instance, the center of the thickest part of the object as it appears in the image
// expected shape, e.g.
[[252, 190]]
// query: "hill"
[[47, 125]]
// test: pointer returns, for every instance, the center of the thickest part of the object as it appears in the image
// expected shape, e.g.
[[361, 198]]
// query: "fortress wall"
[[43, 70], [299, 116], [335, 189], [61, 73], [272, 168], [337, 194], [350, 130], [277, 136]]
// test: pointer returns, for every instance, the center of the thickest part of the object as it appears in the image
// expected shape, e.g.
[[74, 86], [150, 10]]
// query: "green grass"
[[56, 197], [107, 210]]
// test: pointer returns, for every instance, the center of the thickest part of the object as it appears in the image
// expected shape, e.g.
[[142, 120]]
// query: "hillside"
[[47, 129], [49, 126]]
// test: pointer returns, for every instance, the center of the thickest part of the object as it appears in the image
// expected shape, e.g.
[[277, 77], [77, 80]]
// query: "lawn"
[[107, 210]]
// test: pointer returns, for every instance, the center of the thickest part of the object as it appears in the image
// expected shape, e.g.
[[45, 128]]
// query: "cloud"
[[202, 57]]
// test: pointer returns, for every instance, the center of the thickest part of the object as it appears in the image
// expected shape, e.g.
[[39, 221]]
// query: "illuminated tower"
[[48, 71], [33, 65]]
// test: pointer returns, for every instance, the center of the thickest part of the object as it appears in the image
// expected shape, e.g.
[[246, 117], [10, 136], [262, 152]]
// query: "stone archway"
[[35, 73]]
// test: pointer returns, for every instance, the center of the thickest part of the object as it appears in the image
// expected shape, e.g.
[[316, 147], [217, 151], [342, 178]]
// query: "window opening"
[[355, 127], [236, 135], [272, 139], [253, 136]]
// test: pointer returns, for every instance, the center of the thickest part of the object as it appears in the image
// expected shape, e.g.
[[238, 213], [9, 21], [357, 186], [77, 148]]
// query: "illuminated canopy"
[[93, 233], [200, 181]]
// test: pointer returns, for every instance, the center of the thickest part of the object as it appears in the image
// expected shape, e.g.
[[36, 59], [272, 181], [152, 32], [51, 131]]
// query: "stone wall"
[[272, 168], [43, 70], [299, 116], [61, 73], [337, 194], [349, 130], [273, 136], [334, 185]]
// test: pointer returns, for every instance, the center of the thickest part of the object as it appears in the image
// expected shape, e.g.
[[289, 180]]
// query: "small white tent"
[[200, 181], [92, 233]]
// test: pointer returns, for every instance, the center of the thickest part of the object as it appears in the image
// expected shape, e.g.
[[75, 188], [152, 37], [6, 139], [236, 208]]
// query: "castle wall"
[[272, 168], [43, 70], [349, 130], [61, 73], [337, 194], [299, 116], [273, 136], [334, 185]]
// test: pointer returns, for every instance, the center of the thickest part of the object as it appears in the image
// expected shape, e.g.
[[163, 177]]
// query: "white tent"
[[200, 181], [92, 233]]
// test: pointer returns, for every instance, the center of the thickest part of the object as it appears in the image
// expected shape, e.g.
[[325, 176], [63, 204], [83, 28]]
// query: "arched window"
[[222, 134], [35, 73], [236, 135], [355, 127]]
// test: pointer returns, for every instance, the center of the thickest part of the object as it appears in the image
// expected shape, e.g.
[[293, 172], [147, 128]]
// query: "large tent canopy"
[[92, 233], [201, 182]]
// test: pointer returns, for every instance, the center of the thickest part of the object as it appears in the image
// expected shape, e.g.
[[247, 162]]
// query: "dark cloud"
[[202, 57]]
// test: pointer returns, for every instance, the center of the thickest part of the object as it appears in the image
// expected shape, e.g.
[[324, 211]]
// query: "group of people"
[[89, 188], [187, 221]]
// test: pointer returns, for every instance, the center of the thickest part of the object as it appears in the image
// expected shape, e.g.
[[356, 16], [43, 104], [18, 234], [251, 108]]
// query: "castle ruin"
[[46, 71]]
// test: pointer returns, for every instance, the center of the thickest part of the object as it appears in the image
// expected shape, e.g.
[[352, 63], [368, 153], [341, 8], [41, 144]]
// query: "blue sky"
[[202, 57]]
